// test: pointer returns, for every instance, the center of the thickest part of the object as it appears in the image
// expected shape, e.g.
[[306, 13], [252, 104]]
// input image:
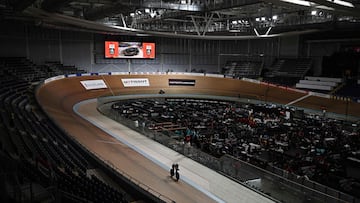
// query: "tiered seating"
[[288, 71], [351, 90], [22, 68], [323, 84], [45, 154], [246, 68], [294, 67], [57, 68], [90, 189]]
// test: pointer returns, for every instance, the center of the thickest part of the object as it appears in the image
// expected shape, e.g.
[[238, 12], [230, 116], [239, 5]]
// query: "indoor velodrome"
[[180, 101]]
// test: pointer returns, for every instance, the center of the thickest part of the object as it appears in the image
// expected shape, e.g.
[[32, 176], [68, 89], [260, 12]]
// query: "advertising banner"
[[114, 49], [181, 82], [135, 82], [93, 84]]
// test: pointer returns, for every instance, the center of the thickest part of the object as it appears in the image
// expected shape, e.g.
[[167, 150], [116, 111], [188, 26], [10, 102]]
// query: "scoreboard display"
[[115, 49]]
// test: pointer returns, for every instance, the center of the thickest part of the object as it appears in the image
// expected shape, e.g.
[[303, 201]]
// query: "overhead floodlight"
[[324, 8], [132, 14], [275, 17], [257, 19], [342, 3], [298, 2], [263, 18], [234, 22], [313, 13], [153, 14], [147, 10]]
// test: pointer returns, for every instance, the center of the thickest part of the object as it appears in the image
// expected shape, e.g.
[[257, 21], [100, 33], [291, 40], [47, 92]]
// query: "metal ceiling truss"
[[191, 18], [97, 27], [199, 25]]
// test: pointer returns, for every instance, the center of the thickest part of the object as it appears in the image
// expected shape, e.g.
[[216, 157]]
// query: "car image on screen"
[[132, 51]]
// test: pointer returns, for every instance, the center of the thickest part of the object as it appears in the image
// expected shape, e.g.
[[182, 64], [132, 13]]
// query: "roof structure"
[[200, 19]]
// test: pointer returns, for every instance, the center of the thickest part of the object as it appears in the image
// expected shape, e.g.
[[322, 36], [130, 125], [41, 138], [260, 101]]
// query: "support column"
[[60, 48]]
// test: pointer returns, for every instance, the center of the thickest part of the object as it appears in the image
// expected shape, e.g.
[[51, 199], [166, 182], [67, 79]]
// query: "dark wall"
[[289, 46], [186, 54], [86, 50]]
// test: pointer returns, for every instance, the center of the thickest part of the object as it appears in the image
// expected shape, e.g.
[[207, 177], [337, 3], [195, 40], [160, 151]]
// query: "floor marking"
[[108, 142]]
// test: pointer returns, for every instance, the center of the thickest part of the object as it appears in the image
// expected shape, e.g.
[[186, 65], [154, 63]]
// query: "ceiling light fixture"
[[325, 8], [153, 14], [342, 3], [298, 2]]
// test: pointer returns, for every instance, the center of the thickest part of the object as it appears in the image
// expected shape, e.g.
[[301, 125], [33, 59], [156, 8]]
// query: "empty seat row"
[[44, 150]]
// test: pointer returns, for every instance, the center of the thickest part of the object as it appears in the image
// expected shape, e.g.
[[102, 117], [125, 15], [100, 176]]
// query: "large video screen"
[[115, 49]]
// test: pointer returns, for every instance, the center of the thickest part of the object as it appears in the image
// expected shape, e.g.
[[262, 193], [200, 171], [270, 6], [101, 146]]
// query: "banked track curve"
[[58, 97]]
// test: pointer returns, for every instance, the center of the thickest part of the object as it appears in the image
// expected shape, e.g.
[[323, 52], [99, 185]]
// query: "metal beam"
[[166, 15], [98, 27], [173, 6], [343, 10], [125, 7], [196, 25], [123, 20], [160, 4], [209, 21], [213, 6]]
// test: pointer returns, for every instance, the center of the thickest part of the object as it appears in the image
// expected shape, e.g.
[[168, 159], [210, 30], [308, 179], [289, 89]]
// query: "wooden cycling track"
[[58, 97]]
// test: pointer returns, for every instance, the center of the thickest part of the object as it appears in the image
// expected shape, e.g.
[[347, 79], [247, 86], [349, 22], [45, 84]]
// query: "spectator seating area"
[[244, 68], [42, 152], [319, 84], [288, 71], [56, 68], [310, 146], [351, 90], [292, 67], [22, 68]]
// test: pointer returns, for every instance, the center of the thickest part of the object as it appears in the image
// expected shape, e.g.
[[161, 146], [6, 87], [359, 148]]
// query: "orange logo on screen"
[[111, 49], [148, 50]]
